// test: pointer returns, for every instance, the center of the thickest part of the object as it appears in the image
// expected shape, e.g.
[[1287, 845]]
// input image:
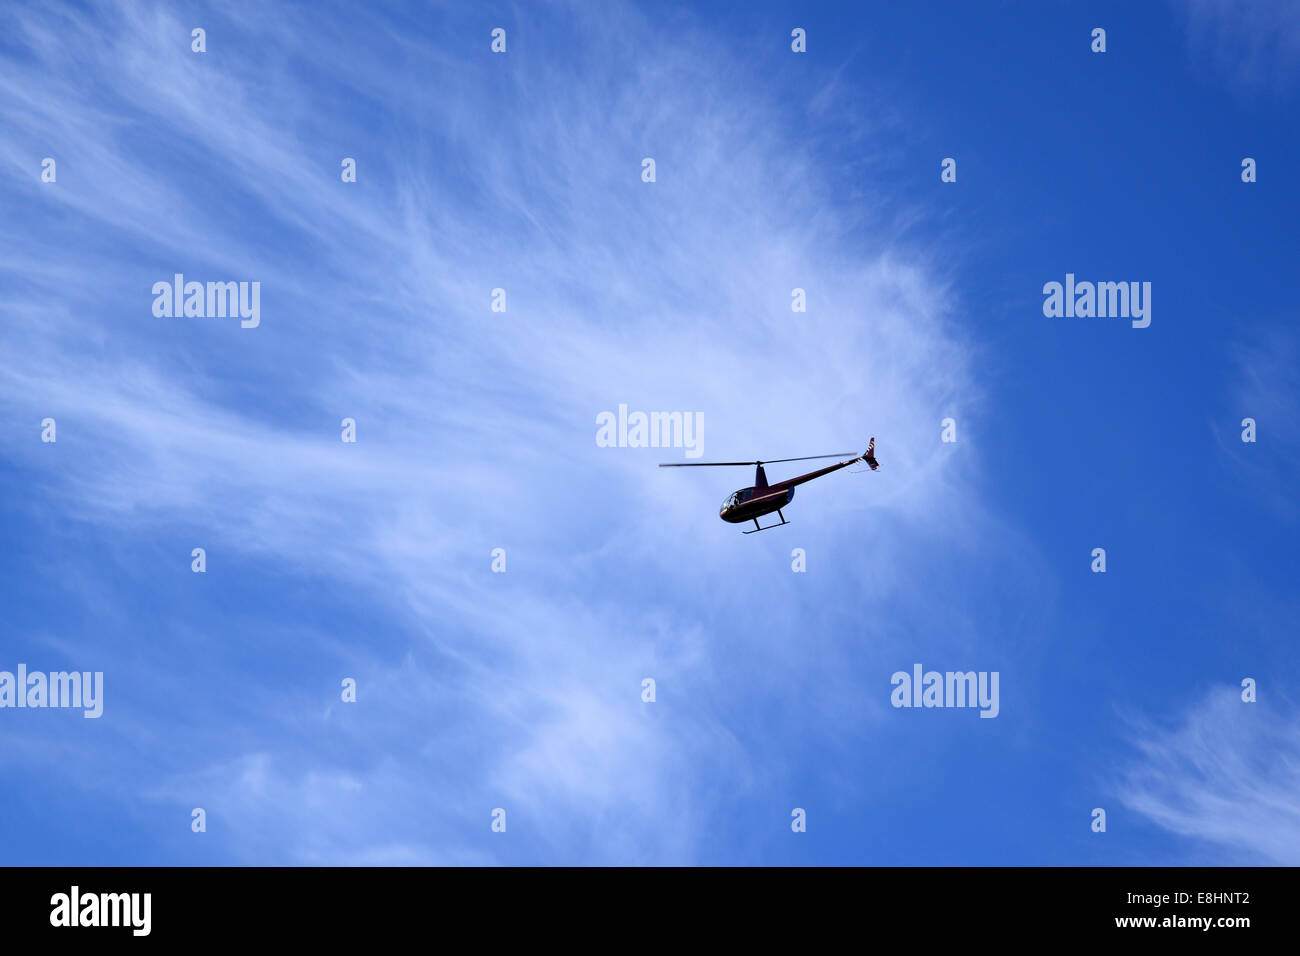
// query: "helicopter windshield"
[[732, 500]]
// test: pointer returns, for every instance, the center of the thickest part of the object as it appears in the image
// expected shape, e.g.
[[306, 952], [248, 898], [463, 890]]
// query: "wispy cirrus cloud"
[[1265, 389], [476, 428], [1226, 773], [1255, 43]]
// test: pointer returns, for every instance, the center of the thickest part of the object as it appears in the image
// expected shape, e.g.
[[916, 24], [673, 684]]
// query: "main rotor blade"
[[705, 464], [768, 461]]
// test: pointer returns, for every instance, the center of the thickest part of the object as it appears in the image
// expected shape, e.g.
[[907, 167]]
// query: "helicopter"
[[750, 504]]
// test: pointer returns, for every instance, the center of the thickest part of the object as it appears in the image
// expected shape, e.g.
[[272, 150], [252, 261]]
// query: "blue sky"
[[476, 430]]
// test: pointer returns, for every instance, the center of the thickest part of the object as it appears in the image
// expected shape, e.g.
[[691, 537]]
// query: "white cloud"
[[477, 429], [1256, 43], [1227, 774]]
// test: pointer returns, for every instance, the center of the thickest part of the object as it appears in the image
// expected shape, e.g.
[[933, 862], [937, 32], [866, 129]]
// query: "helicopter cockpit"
[[735, 498]]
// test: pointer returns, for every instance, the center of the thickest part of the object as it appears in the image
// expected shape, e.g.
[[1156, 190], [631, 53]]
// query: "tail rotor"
[[870, 455]]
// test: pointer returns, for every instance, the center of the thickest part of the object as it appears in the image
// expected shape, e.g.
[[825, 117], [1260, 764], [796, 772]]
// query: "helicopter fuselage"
[[750, 503]]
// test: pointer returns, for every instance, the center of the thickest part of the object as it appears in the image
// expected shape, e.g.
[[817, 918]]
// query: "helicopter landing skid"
[[758, 527]]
